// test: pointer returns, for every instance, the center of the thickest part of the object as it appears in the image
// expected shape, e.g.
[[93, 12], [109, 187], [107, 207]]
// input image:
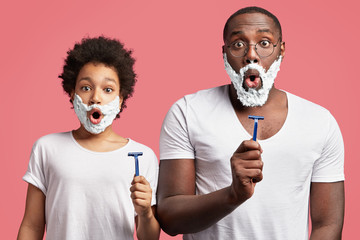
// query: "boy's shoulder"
[[135, 146], [53, 139]]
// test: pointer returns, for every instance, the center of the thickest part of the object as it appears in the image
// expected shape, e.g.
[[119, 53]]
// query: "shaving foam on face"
[[253, 97], [109, 112]]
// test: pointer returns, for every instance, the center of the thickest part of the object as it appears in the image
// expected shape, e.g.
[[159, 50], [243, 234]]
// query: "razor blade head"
[[135, 154], [256, 117]]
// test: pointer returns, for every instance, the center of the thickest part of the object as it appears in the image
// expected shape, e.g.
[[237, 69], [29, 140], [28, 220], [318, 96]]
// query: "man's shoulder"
[[209, 95], [303, 105], [219, 90]]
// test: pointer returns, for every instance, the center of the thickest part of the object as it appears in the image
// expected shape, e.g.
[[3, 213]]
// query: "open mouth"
[[252, 79], [95, 116]]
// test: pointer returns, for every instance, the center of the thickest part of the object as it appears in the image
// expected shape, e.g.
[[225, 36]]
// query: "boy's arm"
[[33, 224], [147, 227]]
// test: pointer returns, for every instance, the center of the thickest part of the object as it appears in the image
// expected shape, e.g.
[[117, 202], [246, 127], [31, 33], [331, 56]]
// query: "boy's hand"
[[141, 196]]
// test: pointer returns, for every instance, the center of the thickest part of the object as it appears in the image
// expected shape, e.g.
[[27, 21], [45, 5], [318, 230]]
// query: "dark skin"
[[181, 211]]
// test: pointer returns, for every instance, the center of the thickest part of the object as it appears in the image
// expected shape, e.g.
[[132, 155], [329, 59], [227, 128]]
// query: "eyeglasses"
[[264, 48]]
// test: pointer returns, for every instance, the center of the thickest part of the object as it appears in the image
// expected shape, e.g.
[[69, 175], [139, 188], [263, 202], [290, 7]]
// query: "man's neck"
[[274, 111]]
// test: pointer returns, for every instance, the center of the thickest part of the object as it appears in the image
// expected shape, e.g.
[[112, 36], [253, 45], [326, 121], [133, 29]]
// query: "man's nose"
[[95, 97], [251, 56]]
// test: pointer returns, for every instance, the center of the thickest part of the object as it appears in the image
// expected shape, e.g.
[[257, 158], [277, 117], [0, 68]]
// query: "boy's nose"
[[95, 98]]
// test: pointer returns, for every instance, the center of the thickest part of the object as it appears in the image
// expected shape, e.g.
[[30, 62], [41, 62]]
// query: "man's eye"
[[264, 43], [108, 90], [239, 44]]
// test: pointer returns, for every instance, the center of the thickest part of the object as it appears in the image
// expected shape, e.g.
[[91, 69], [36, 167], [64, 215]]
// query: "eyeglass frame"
[[248, 47]]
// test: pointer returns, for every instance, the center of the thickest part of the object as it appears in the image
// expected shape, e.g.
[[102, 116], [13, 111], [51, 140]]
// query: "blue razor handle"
[[135, 155], [256, 119]]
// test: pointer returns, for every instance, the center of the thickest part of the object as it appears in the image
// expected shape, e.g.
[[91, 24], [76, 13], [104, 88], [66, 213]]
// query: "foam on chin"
[[109, 112], [253, 97]]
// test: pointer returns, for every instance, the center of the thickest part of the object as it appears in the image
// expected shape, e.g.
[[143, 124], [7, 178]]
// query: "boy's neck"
[[102, 142]]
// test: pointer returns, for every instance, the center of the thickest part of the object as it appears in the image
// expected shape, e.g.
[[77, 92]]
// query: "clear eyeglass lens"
[[262, 51]]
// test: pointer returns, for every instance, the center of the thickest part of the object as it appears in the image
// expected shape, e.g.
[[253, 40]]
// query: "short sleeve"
[[174, 136], [35, 172], [330, 166]]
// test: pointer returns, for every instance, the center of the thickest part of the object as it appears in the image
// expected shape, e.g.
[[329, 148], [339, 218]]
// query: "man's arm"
[[181, 211], [33, 224], [327, 210]]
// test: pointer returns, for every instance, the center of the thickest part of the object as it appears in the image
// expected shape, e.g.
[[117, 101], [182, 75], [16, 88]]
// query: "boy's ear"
[[120, 101], [72, 95]]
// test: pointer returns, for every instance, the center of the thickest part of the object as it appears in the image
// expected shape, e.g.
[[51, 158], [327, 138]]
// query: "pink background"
[[177, 45]]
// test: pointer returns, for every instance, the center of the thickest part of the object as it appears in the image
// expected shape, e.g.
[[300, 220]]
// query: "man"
[[214, 183]]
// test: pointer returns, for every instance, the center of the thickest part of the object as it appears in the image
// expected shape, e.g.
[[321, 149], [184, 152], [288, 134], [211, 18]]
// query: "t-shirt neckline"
[[94, 152], [241, 127]]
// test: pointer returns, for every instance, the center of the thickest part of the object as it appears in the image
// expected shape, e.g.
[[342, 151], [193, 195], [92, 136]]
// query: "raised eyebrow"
[[237, 33], [89, 79], [110, 79], [85, 79], [264, 30]]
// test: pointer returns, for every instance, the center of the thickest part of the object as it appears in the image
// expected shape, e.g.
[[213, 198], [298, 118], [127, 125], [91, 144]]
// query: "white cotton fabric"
[[308, 148], [88, 193]]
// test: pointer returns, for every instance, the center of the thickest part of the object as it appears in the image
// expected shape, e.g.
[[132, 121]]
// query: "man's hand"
[[246, 168], [180, 210], [141, 196]]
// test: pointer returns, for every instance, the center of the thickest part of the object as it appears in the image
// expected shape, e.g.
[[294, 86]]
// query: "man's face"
[[252, 28], [252, 56]]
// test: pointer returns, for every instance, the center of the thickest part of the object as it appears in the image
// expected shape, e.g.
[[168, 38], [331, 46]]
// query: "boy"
[[79, 181]]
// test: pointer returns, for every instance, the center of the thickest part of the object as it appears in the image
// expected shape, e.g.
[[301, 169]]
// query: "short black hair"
[[253, 9], [110, 52]]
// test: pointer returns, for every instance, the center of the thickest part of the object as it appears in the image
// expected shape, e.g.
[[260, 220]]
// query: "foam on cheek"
[[109, 112], [252, 97]]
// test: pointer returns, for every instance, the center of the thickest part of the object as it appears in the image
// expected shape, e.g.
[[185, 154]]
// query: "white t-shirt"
[[308, 148], [88, 193]]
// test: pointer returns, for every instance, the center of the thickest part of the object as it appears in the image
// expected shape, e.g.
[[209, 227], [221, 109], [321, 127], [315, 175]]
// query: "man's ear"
[[282, 49], [223, 49]]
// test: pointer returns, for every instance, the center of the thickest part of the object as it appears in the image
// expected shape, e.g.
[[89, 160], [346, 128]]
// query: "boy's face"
[[98, 84]]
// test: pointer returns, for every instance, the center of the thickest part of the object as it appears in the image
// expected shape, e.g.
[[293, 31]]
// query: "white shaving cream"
[[108, 111], [253, 97]]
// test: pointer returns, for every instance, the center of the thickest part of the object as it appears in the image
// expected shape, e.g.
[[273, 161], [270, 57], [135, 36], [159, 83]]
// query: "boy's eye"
[[85, 88], [108, 90]]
